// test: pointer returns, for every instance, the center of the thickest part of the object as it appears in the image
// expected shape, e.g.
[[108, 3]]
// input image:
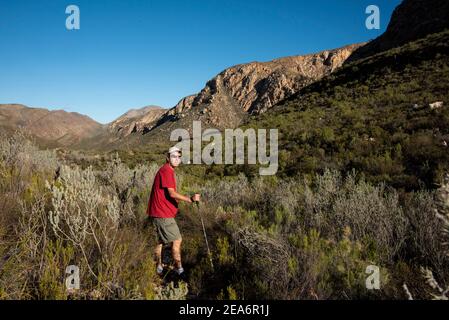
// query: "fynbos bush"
[[442, 213], [334, 203], [18, 152], [131, 187]]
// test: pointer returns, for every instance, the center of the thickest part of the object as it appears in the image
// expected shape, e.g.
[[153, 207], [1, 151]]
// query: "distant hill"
[[119, 131], [135, 120], [59, 128], [54, 128]]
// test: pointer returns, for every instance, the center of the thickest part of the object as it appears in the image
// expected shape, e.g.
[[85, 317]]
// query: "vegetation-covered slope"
[[374, 116]]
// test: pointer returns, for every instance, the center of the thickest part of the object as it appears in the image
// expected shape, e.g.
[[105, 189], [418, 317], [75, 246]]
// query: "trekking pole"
[[205, 236]]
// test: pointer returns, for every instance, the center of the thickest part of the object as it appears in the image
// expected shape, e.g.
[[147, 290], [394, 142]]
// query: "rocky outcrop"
[[135, 120], [411, 20], [253, 88]]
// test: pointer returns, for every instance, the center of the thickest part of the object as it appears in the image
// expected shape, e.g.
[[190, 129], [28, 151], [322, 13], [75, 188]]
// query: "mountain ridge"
[[410, 21], [227, 99], [250, 88], [48, 125]]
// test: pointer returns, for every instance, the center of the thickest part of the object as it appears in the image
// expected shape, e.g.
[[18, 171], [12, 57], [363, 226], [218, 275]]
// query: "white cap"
[[173, 150]]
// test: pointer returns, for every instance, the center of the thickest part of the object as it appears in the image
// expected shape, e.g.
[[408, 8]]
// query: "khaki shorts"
[[166, 229]]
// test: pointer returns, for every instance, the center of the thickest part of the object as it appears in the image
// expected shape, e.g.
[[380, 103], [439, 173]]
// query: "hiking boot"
[[182, 276], [180, 271]]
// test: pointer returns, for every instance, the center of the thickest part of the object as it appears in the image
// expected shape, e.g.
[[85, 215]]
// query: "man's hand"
[[196, 197], [179, 197]]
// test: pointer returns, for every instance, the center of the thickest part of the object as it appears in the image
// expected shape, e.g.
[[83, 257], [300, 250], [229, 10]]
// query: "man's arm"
[[177, 196]]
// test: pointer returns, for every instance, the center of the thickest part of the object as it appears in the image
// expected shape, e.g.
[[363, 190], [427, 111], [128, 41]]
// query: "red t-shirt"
[[161, 205]]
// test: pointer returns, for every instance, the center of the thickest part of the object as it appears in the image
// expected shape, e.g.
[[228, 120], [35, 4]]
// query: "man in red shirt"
[[163, 207]]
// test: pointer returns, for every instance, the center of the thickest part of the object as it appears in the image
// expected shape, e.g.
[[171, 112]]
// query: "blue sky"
[[129, 54]]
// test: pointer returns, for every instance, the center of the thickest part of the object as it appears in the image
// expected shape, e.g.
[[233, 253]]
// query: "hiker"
[[163, 207]]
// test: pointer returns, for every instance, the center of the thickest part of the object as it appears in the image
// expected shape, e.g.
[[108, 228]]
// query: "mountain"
[[54, 128], [411, 20], [135, 120], [252, 88], [225, 101], [119, 132], [384, 113], [59, 128], [246, 90], [386, 116]]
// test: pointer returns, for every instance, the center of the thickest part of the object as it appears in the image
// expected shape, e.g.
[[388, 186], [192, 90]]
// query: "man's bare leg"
[[176, 253], [158, 254]]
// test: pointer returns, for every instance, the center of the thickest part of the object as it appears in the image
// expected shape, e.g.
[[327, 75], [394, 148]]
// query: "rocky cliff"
[[135, 120], [252, 88]]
